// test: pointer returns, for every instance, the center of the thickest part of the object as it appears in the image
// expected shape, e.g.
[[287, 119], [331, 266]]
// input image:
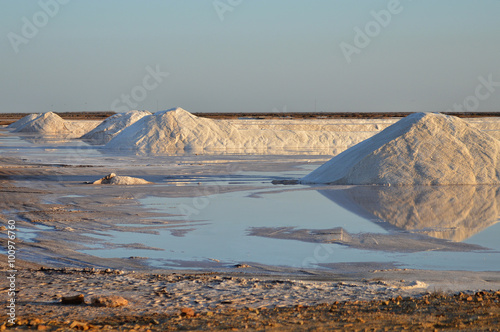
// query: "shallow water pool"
[[308, 227]]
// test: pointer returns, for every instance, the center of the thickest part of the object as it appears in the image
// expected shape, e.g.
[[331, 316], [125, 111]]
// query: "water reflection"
[[445, 212]]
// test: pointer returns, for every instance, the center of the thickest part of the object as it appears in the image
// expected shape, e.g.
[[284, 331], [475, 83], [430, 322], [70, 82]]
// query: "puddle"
[[462, 238]]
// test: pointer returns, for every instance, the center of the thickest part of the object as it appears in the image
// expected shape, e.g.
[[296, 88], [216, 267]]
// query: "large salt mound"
[[421, 149], [113, 125], [172, 130], [52, 124], [177, 130]]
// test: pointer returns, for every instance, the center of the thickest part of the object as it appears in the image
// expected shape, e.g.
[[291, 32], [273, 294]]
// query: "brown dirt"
[[335, 115], [433, 312], [8, 118]]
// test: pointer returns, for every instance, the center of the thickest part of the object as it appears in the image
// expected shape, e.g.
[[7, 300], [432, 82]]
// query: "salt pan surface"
[[421, 149]]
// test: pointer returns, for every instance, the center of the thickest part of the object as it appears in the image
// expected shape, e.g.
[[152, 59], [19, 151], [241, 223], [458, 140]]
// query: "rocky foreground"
[[90, 299]]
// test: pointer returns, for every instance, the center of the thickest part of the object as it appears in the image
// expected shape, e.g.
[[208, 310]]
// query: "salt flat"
[[219, 212]]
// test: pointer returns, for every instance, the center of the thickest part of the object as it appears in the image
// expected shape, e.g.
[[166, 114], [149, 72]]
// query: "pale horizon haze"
[[250, 55]]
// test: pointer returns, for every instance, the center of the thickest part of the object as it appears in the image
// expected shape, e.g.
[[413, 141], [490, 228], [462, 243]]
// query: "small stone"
[[42, 327], [110, 301], [470, 299], [79, 326], [35, 322], [75, 299], [188, 312]]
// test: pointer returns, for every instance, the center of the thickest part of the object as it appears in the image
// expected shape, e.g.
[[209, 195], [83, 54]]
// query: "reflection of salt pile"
[[446, 212], [112, 126], [52, 124], [421, 149], [178, 130], [112, 178]]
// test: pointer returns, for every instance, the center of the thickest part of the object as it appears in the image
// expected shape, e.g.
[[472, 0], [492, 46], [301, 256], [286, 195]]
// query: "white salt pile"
[[421, 149], [52, 124], [171, 130], [112, 126], [40, 123], [112, 178], [177, 130], [24, 121]]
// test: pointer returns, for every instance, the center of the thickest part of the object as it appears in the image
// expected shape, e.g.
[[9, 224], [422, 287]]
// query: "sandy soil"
[[162, 300]]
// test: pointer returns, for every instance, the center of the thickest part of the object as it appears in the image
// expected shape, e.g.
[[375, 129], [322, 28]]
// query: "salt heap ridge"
[[112, 126], [421, 149], [177, 130]]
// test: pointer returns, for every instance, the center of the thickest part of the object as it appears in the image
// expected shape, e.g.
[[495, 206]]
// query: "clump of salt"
[[421, 149], [112, 178]]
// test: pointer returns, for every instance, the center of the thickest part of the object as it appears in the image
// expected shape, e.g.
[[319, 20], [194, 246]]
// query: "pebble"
[[75, 299], [110, 301], [188, 312]]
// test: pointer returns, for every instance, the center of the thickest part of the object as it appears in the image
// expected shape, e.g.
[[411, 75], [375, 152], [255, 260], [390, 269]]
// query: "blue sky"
[[249, 55]]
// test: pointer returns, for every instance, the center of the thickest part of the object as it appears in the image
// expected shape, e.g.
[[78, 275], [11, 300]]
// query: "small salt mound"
[[120, 180], [52, 124], [23, 121], [113, 125], [421, 149], [44, 123]]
